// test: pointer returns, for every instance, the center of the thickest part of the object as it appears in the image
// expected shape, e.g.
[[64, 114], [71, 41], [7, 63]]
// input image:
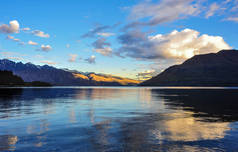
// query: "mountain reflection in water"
[[118, 119]]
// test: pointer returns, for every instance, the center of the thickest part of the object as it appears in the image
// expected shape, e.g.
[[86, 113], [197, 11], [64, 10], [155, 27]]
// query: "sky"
[[129, 38]]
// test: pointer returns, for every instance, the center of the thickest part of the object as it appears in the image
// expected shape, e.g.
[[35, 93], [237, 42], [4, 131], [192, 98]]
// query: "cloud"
[[32, 43], [6, 53], [40, 34], [9, 37], [14, 58], [162, 12], [46, 48], [146, 74], [16, 40], [67, 45], [92, 33], [235, 6], [100, 43], [102, 47], [175, 45], [232, 12], [12, 55], [234, 19], [152, 13], [213, 8], [48, 62], [13, 27], [107, 51], [105, 34], [26, 29], [91, 59], [99, 30], [73, 57]]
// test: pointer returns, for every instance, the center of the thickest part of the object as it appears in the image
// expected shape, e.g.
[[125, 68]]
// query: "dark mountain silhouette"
[[7, 78], [62, 77], [214, 69]]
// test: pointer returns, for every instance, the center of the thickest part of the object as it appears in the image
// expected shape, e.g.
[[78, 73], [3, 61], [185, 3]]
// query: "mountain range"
[[214, 69], [62, 77]]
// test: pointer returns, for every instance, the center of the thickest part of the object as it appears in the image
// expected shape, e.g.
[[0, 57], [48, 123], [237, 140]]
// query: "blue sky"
[[126, 38]]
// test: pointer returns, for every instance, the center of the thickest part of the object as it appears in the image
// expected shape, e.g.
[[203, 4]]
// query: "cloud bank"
[[175, 45], [162, 12]]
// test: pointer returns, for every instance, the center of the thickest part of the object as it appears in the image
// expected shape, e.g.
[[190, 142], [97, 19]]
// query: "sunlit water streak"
[[118, 119]]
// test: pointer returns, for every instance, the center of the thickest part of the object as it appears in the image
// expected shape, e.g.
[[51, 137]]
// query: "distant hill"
[[102, 79], [7, 78], [62, 77], [214, 69]]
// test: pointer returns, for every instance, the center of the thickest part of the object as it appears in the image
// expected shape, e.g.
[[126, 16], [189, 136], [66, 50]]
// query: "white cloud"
[[17, 40], [91, 59], [26, 29], [13, 27], [152, 13], [9, 37], [175, 45], [213, 8], [234, 19], [73, 57], [48, 62], [107, 51], [32, 43], [105, 34], [12, 38], [187, 43], [163, 11], [40, 34], [46, 47]]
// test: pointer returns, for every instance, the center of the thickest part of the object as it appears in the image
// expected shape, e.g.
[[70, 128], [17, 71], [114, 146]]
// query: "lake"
[[118, 119]]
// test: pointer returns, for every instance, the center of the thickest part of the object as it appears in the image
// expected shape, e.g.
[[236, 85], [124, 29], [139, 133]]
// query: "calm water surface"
[[118, 119]]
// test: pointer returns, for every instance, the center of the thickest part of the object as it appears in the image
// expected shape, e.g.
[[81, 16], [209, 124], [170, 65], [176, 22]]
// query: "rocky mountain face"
[[61, 77], [214, 69]]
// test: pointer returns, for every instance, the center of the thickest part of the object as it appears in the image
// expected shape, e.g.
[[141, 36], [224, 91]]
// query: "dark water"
[[118, 119]]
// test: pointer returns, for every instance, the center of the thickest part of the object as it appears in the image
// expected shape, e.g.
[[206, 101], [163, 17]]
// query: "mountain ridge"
[[61, 77], [213, 69]]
